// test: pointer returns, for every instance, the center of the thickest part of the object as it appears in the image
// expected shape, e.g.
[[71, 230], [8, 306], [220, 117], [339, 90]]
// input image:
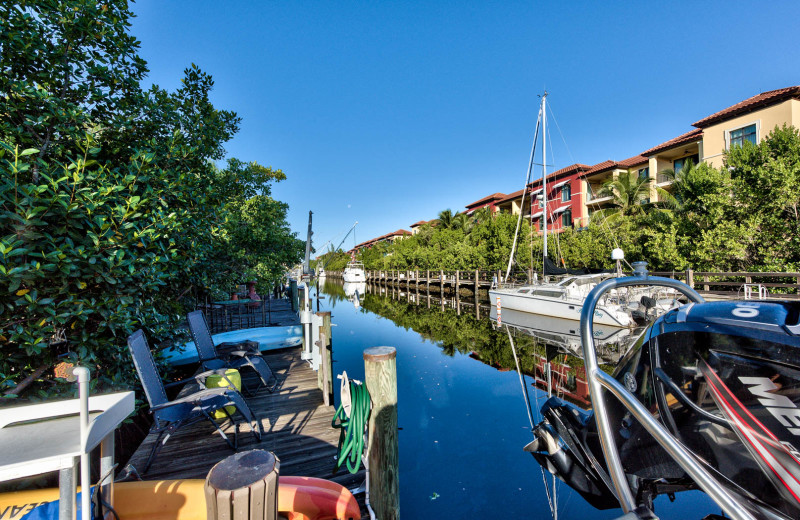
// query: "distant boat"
[[354, 272], [563, 299]]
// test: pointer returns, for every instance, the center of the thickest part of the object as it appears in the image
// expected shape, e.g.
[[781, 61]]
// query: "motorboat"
[[707, 398], [354, 272]]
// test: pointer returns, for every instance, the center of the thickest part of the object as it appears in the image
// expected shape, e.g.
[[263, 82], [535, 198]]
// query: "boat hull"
[[268, 338], [354, 276], [555, 307]]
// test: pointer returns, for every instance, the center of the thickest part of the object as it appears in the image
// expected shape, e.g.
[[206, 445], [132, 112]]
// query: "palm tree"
[[685, 184], [463, 222], [482, 215], [630, 195], [445, 219]]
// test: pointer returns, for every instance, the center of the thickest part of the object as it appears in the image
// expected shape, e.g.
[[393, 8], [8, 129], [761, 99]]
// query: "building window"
[[644, 173], [739, 136], [678, 164], [566, 193], [566, 219]]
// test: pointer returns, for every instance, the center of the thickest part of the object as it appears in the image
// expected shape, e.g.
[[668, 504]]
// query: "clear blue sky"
[[389, 112]]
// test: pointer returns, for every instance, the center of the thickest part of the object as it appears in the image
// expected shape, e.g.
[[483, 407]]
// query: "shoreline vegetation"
[[744, 216], [117, 210]]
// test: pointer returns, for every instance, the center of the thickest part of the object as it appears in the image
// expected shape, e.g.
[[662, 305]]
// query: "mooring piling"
[[380, 376]]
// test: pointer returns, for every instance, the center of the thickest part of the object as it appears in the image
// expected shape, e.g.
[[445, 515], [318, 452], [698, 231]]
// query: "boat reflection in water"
[[610, 342], [355, 292], [560, 370]]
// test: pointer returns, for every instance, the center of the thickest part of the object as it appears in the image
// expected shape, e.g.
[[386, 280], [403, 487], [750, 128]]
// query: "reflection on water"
[[464, 423]]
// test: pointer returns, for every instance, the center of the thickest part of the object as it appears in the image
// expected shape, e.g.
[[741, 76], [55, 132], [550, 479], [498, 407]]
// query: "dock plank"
[[296, 423]]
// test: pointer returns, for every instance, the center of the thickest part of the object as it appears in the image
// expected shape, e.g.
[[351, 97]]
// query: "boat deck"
[[297, 429]]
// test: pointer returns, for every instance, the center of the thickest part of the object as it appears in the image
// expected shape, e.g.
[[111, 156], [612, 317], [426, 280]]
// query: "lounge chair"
[[188, 409], [234, 355]]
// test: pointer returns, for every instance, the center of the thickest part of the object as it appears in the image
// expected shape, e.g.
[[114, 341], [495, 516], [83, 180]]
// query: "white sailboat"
[[563, 299]]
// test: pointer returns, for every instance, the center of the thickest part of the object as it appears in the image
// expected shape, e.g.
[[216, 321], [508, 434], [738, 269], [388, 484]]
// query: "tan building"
[[415, 226], [601, 173], [751, 120]]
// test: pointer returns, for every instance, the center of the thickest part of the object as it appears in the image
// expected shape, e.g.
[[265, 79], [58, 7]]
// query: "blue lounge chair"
[[187, 409], [234, 355]]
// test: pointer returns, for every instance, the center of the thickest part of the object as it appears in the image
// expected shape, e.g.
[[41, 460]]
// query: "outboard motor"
[[723, 380]]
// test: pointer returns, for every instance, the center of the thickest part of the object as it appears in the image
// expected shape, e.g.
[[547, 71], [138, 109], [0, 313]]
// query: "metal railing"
[[599, 380]]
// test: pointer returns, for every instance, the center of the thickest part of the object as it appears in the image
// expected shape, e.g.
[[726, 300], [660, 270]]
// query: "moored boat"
[[706, 398]]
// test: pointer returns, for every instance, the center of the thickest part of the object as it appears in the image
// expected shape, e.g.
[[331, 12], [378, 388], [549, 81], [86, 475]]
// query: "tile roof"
[[688, 137], [568, 169], [421, 222], [599, 167], [750, 104], [511, 196], [633, 161], [493, 196]]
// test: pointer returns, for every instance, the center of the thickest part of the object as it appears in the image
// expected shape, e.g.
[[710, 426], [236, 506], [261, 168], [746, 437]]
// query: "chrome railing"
[[599, 380]]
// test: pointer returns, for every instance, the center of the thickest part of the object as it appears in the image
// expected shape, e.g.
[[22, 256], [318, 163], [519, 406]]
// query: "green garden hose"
[[352, 428]]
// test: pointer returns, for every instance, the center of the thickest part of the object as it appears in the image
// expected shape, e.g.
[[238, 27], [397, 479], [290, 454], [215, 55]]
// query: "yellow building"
[[751, 120]]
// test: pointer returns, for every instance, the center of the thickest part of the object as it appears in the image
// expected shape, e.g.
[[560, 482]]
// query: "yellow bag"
[[217, 381]]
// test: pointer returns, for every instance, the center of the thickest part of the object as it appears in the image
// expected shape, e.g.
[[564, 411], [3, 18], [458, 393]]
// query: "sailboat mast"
[[544, 171]]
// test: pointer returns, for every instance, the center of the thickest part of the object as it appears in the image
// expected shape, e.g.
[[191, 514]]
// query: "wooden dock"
[[297, 428]]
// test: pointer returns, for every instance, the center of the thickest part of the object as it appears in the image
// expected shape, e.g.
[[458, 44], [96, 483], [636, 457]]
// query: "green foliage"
[[113, 214]]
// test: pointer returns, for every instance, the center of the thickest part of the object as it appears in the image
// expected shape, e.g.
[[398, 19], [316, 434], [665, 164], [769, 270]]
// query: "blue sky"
[[389, 112]]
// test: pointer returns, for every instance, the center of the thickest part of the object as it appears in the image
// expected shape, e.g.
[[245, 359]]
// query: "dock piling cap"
[[380, 353], [242, 469]]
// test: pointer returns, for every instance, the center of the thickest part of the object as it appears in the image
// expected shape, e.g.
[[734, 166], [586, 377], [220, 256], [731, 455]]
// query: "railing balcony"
[[663, 178]]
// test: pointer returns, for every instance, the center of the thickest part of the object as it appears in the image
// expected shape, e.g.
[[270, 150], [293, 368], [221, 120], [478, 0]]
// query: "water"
[[464, 420]]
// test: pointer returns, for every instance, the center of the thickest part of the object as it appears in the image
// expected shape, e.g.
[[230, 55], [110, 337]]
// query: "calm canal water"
[[462, 412]]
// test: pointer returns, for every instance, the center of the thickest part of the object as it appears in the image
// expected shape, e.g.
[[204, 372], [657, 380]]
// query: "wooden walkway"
[[296, 423]]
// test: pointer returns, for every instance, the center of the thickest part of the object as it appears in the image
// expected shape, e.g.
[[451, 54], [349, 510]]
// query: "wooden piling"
[[293, 295], [243, 486], [441, 283], [325, 372], [380, 376]]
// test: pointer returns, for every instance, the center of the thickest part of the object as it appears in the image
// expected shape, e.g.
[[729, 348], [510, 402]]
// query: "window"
[[566, 193], [644, 173], [566, 218], [739, 136], [679, 163]]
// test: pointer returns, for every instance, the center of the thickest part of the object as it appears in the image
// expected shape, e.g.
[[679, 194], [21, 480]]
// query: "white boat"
[[563, 299], [560, 300], [354, 272]]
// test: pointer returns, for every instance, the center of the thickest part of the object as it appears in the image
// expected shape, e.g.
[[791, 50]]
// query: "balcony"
[[663, 178]]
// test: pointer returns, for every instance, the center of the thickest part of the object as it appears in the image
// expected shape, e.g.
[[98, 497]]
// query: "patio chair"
[[188, 409], [236, 355]]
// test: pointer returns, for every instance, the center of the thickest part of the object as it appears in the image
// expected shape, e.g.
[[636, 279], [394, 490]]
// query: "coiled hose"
[[351, 429]]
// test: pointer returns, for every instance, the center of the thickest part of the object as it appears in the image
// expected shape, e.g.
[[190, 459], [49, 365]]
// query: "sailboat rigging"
[[563, 299]]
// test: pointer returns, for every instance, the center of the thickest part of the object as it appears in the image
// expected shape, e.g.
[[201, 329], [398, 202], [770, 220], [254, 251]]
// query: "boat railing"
[[602, 384]]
